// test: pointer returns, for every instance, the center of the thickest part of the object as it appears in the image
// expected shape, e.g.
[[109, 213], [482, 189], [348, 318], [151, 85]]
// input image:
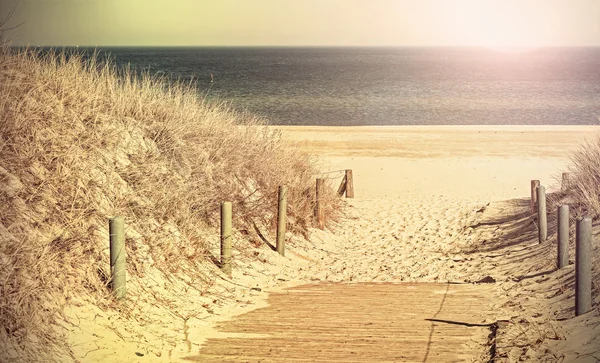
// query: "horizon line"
[[307, 46]]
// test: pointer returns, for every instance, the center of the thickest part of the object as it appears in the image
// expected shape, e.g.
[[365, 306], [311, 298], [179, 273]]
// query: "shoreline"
[[544, 127], [425, 141]]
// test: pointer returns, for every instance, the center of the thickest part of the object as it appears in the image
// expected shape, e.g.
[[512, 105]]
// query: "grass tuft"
[[584, 179]]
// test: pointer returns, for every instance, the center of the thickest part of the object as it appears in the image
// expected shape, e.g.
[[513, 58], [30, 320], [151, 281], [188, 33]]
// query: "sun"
[[506, 26], [506, 35]]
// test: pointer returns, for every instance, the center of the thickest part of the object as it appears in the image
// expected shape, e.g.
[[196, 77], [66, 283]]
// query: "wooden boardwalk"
[[366, 322]]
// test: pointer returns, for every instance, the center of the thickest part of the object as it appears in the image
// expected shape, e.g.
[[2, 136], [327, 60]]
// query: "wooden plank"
[[359, 323]]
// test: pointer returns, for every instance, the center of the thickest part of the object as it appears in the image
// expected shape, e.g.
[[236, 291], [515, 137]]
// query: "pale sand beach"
[[422, 202], [468, 162]]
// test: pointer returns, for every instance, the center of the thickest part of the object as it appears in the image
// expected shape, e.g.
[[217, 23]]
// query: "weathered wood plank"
[[359, 323]]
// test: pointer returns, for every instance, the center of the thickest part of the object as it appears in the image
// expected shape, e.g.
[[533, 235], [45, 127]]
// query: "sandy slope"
[[420, 194]]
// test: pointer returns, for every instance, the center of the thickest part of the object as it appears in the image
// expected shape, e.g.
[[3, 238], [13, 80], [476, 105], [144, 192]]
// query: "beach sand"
[[469, 162], [423, 196]]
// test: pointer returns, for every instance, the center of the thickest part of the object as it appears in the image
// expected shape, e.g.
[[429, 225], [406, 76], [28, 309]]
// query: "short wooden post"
[[533, 202], [117, 256], [281, 220], [320, 213], [542, 217], [226, 237], [349, 184], [565, 182], [583, 266], [563, 236]]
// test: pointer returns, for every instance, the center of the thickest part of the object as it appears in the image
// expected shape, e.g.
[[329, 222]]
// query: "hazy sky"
[[307, 22]]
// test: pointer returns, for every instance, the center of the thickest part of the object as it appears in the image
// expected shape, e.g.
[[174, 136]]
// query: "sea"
[[386, 86]]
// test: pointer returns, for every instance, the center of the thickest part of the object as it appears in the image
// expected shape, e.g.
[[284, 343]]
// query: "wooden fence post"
[[342, 189], [281, 220], [117, 256], [565, 182], [320, 213], [226, 237], [563, 236], [583, 266], [349, 184], [533, 202], [542, 216]]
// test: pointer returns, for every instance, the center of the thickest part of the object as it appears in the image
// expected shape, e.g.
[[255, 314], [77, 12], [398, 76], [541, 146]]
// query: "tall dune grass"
[[584, 183], [80, 142]]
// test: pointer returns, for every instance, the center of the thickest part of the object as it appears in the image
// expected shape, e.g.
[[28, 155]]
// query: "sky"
[[492, 23]]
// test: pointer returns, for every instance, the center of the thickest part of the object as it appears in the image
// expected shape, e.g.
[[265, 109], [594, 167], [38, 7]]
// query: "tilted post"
[[320, 213], [281, 220], [117, 256], [342, 189], [583, 266], [542, 217], [226, 237], [349, 184], [563, 236], [533, 202]]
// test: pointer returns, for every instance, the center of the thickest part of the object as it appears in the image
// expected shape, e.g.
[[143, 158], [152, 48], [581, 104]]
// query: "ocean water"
[[389, 86]]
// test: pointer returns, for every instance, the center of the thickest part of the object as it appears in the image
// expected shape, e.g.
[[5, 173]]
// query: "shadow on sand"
[[510, 224]]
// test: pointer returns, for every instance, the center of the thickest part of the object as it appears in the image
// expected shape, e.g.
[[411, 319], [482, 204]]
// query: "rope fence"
[[117, 230]]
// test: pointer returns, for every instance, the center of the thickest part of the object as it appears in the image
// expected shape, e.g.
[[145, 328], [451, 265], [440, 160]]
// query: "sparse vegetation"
[[80, 142], [584, 185]]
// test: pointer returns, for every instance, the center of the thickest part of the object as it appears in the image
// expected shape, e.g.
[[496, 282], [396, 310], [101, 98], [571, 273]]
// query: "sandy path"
[[415, 204], [396, 240]]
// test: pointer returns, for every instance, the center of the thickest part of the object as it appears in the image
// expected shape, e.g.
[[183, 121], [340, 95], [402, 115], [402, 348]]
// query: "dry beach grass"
[[81, 141]]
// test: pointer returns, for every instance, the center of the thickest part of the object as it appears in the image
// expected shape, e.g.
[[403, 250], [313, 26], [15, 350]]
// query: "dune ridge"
[[81, 142]]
